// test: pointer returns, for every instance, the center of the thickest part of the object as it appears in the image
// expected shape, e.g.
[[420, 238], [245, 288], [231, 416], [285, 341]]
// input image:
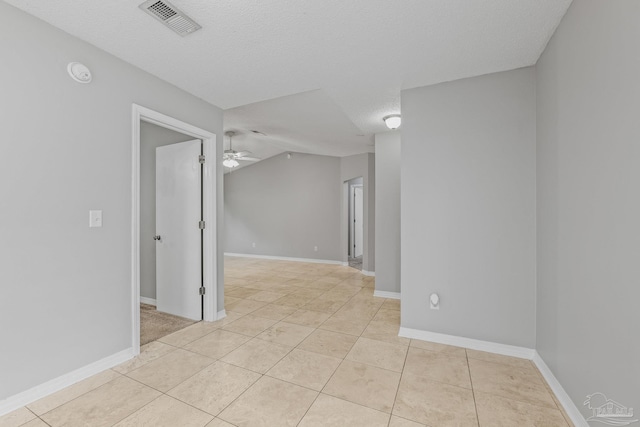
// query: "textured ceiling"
[[350, 56], [308, 122]]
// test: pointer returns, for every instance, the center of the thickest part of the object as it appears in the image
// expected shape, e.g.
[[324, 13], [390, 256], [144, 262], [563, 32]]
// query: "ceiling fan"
[[231, 157]]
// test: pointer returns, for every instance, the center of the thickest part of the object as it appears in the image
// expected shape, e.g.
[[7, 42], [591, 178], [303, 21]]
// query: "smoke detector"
[[170, 16], [79, 72]]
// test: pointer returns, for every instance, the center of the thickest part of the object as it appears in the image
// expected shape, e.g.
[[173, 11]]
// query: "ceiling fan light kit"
[[230, 157], [393, 121], [230, 163]]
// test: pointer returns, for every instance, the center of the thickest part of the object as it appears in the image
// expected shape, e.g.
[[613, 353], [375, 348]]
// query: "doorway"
[[170, 249], [355, 221], [202, 295]]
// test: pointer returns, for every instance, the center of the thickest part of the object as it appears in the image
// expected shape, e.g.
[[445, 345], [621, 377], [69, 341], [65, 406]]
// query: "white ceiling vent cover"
[[170, 16]]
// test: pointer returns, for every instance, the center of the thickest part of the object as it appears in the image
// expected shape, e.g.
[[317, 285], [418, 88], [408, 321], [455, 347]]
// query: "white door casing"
[[211, 198], [358, 215], [178, 212]]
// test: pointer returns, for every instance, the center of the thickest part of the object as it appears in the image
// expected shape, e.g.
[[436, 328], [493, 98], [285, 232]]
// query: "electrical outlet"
[[315, 248], [253, 244], [434, 302], [95, 219]]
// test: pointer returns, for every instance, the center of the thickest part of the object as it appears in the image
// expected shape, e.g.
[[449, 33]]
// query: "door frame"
[[210, 273], [345, 226], [352, 202]]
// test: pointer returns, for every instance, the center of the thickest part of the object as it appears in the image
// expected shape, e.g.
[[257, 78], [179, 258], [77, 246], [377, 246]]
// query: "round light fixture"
[[79, 72], [231, 163], [392, 121]]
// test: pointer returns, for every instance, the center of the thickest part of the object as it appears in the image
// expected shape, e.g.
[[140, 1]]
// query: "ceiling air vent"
[[170, 16]]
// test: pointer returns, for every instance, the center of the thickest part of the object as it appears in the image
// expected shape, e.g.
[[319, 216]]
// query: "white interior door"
[[358, 223], [178, 244]]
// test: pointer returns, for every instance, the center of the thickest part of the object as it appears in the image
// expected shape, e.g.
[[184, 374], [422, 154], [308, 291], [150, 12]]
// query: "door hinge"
[[202, 290], [201, 158], [201, 224]]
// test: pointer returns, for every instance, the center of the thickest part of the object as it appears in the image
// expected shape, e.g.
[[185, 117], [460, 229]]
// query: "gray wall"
[[588, 204], [468, 207], [286, 206], [360, 165], [151, 137], [388, 211], [65, 297]]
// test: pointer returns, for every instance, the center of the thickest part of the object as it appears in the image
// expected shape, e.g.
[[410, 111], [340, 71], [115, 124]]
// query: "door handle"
[[157, 238]]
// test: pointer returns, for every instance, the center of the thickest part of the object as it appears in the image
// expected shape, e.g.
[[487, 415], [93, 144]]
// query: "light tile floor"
[[302, 345]]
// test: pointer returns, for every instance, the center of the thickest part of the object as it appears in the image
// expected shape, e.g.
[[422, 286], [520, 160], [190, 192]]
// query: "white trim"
[[385, 294], [284, 258], [210, 266], [221, 315], [345, 264], [149, 301], [473, 344], [369, 273], [344, 223], [38, 392], [569, 407]]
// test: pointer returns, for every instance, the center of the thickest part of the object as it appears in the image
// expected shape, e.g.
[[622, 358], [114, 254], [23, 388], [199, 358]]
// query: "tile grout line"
[[310, 406], [511, 398], [473, 391], [238, 397], [75, 398], [248, 369], [195, 407], [37, 417], [139, 409], [404, 364], [46, 423]]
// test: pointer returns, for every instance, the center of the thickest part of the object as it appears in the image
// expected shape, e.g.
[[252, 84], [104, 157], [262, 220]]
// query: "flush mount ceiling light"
[[79, 72], [392, 121]]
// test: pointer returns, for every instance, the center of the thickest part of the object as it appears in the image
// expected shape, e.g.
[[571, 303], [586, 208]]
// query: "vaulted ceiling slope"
[[360, 53]]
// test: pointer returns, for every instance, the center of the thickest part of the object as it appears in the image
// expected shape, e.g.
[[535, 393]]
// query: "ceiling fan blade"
[[243, 153], [249, 159]]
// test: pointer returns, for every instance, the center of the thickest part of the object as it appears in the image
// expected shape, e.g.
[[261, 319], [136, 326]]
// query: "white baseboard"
[[345, 264], [150, 301], [283, 258], [385, 294], [38, 392], [473, 344], [369, 273], [221, 315], [569, 407]]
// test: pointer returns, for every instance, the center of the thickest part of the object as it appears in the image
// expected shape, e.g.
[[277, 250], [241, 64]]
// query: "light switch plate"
[[95, 219]]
